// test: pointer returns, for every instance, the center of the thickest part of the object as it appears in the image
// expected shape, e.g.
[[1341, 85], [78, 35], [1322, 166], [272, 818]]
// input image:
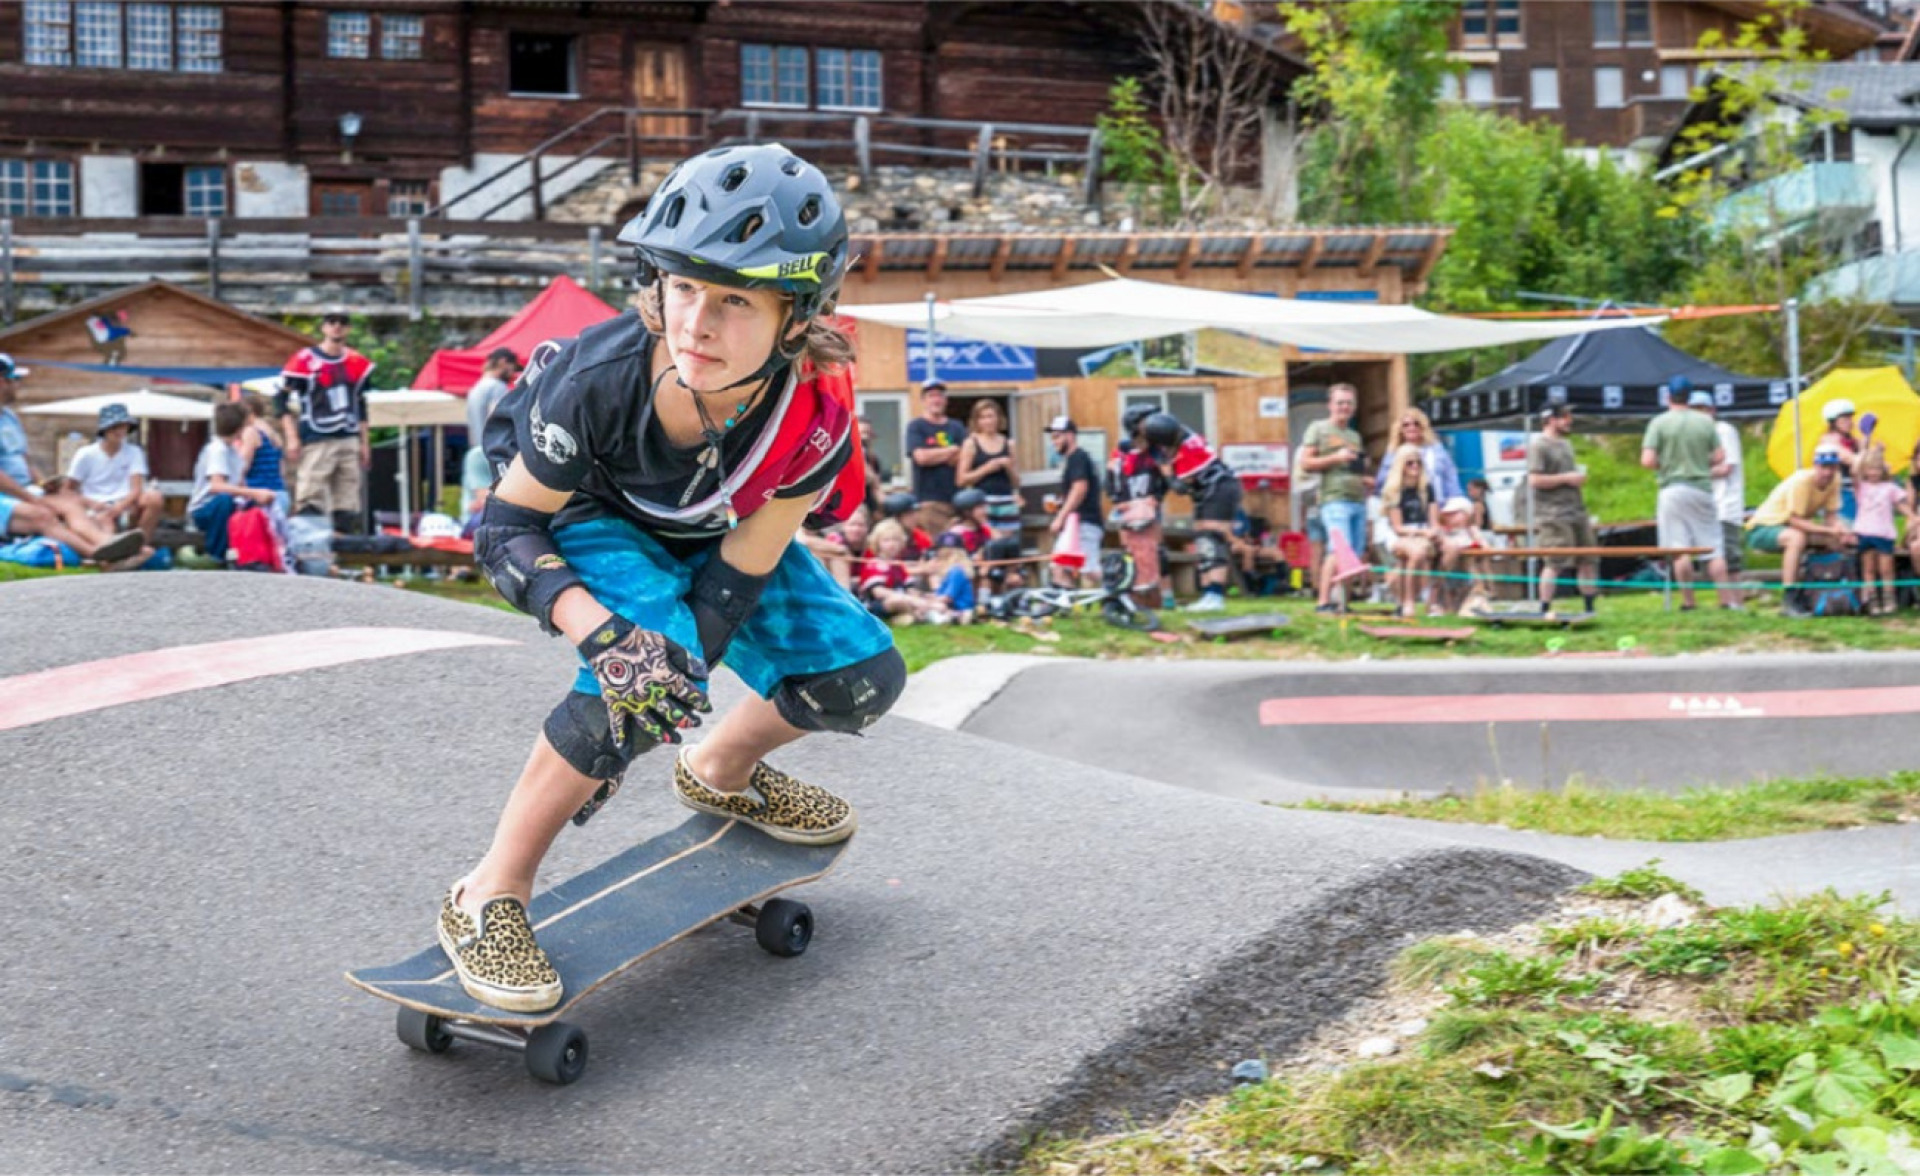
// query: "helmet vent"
[[671, 218], [809, 211], [791, 165], [736, 176], [746, 227]]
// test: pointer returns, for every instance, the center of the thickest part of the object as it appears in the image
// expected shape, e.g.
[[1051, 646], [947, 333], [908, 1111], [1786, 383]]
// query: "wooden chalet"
[[171, 327]]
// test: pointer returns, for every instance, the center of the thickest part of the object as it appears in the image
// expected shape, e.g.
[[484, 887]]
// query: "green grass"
[[1764, 808], [1619, 489], [1746, 1040]]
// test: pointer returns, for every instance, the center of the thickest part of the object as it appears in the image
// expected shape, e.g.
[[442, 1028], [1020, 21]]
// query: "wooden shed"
[[169, 326]]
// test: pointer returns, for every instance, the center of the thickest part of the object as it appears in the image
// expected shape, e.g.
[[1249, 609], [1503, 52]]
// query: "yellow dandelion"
[[1876, 929], [1845, 949]]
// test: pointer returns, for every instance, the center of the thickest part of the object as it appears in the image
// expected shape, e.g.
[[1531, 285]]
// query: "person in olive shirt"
[[1560, 517], [1684, 448], [1333, 449]]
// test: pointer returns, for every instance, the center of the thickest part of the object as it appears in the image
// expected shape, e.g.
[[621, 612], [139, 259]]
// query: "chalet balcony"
[[1835, 193], [1893, 278]]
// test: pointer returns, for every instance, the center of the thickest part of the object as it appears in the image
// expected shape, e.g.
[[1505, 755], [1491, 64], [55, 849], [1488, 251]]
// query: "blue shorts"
[[1879, 543], [6, 511], [1349, 518], [805, 623]]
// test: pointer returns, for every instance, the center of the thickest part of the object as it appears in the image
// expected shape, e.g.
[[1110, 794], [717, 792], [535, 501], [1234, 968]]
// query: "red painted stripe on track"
[[89, 686], [1589, 708]]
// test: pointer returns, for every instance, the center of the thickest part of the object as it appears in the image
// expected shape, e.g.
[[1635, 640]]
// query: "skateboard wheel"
[[421, 1031], [557, 1053], [784, 927]]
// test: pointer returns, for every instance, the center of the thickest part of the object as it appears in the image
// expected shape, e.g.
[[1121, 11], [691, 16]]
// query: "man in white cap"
[[1681, 445], [1838, 413]]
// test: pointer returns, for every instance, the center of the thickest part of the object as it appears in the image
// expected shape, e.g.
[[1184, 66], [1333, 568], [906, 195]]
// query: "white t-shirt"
[[106, 477], [1730, 492], [216, 457]]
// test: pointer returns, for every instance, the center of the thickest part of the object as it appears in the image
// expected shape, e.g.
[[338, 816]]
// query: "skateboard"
[[1532, 616], [603, 922], [1417, 633], [1240, 626]]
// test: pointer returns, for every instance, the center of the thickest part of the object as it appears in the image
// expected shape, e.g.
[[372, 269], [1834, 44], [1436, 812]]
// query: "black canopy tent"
[[1609, 377]]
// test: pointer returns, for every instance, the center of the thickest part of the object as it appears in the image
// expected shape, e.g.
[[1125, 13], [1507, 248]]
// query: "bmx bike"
[[1112, 597]]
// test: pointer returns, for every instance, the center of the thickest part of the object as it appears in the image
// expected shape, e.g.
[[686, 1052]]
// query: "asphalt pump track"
[[224, 790]]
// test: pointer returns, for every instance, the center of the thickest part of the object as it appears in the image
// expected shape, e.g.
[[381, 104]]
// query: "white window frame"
[[787, 59], [213, 196], [1551, 74], [1158, 393], [412, 35], [38, 187], [1620, 87], [47, 32], [416, 203], [1676, 70], [150, 40], [848, 62], [91, 50], [198, 24], [1492, 86], [350, 36]]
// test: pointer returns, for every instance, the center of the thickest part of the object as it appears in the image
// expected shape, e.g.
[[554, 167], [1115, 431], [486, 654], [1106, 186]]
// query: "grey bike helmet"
[[756, 217], [969, 498], [1130, 419]]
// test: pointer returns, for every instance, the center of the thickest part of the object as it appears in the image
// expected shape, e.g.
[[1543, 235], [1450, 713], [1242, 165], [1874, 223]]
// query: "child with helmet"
[[656, 471]]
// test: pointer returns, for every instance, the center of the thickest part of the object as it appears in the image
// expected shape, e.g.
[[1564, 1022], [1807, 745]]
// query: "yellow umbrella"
[[1882, 392]]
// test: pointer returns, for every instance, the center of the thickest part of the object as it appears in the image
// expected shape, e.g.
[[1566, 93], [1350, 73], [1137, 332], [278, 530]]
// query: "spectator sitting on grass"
[[887, 586], [904, 509], [840, 548], [1802, 512], [218, 486], [1462, 568], [953, 578], [112, 476], [972, 523], [24, 512]]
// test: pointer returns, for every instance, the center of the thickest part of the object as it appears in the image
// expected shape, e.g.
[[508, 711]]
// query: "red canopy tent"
[[560, 311]]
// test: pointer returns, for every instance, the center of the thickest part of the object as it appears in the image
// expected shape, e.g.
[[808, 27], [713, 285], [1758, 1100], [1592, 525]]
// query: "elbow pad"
[[514, 546], [721, 599]]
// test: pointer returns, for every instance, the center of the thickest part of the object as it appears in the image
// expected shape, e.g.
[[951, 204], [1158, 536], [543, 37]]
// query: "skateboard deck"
[[1533, 618], [1417, 633], [601, 923], [1240, 626]]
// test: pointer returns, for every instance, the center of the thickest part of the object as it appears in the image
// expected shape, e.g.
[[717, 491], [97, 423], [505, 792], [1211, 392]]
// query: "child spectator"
[[953, 577], [841, 547], [1875, 501], [886, 580], [260, 453], [1459, 540], [1477, 491], [973, 523], [1409, 504], [904, 509], [218, 485]]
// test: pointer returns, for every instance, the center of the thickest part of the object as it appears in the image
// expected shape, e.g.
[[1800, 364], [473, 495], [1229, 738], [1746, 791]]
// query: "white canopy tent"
[[142, 405], [1122, 310]]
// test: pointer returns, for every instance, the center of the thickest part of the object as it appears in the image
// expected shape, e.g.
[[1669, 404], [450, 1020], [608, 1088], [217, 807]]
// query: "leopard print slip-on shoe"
[[785, 808], [498, 962]]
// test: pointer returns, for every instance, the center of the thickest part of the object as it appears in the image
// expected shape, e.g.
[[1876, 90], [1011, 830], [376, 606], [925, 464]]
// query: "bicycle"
[[1113, 596]]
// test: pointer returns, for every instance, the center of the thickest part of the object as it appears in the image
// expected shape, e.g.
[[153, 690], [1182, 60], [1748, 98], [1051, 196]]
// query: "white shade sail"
[[142, 405], [1121, 310]]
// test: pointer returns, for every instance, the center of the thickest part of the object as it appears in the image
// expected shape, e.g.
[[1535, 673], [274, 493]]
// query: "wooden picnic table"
[[1669, 554]]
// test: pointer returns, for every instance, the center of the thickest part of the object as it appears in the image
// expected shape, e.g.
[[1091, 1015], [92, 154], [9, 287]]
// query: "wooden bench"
[[1667, 554]]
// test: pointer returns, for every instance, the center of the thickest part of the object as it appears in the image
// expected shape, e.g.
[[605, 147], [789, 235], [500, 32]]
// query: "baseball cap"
[[10, 370], [1837, 408], [951, 539], [111, 415], [1062, 424], [1679, 384], [1827, 455], [1701, 398], [336, 314], [1457, 504], [933, 386]]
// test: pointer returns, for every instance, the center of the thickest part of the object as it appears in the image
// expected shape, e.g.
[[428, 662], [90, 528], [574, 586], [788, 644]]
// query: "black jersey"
[[582, 419]]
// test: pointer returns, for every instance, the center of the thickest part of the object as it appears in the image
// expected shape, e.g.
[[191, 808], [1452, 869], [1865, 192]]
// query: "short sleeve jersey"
[[582, 418], [1337, 483], [328, 391], [1684, 441], [1801, 496], [1079, 467], [107, 477], [935, 483]]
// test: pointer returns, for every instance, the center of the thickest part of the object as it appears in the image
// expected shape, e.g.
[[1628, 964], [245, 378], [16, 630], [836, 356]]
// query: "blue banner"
[[969, 361]]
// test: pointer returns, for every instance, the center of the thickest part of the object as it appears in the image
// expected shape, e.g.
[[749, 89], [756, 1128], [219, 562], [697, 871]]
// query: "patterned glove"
[[649, 683]]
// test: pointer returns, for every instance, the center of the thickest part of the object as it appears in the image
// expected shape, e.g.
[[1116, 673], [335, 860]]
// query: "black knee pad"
[[848, 699], [579, 731], [1214, 550]]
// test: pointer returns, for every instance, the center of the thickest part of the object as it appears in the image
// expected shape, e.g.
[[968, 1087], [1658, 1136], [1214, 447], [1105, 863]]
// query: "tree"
[[1373, 90], [1764, 249], [1132, 151], [1212, 86]]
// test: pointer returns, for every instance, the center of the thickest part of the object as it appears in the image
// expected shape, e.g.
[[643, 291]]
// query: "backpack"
[[251, 544], [1827, 587], [310, 544]]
